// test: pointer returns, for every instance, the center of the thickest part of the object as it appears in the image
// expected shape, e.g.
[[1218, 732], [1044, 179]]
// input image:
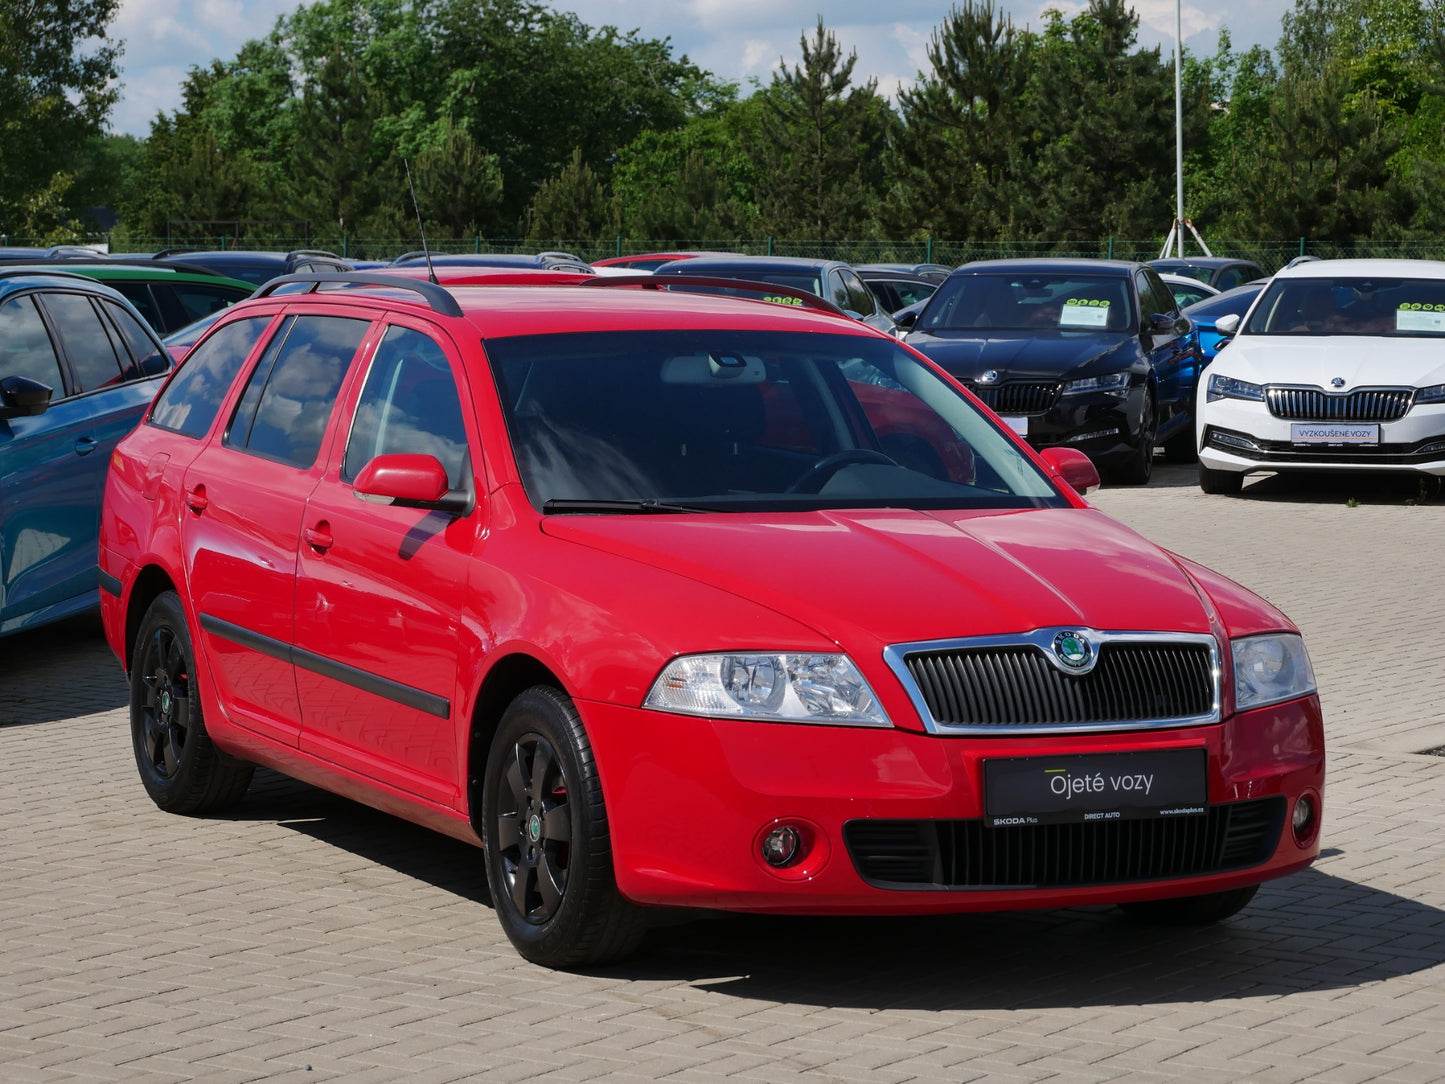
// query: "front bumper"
[[1243, 436], [1104, 427], [689, 801]]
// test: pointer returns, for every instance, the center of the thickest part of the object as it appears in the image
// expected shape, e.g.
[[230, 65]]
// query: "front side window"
[[288, 400], [1392, 307], [1019, 301], [25, 346], [860, 298], [140, 355], [409, 404], [727, 419], [190, 402]]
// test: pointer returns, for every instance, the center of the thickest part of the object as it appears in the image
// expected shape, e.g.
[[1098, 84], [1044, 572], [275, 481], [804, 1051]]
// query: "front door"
[[379, 589]]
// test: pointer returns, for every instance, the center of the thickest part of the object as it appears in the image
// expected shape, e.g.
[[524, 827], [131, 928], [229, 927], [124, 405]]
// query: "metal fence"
[[1269, 254]]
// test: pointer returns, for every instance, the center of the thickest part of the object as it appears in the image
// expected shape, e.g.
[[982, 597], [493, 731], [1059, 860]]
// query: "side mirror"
[[411, 481], [1162, 321], [905, 319], [1073, 466], [1227, 326], [21, 397]]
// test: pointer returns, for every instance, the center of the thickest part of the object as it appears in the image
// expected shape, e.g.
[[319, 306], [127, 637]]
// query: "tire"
[[179, 765], [1223, 482], [1180, 447], [548, 853], [1192, 910], [1140, 466]]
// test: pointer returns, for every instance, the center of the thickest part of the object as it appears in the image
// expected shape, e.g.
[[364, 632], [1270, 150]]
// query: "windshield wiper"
[[620, 507]]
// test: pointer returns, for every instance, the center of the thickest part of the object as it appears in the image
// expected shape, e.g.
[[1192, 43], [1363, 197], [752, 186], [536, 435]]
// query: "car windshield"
[[1395, 307], [721, 420], [1019, 301], [1189, 270]]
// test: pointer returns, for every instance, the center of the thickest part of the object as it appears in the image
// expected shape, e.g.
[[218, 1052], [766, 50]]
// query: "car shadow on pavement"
[[1342, 488], [1310, 932], [58, 672], [409, 849], [1313, 931]]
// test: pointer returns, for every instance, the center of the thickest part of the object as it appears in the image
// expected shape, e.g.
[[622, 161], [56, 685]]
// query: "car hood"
[[1025, 355], [1315, 361], [865, 579]]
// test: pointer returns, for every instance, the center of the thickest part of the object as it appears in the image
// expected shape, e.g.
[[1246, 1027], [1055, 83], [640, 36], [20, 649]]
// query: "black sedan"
[[1090, 354]]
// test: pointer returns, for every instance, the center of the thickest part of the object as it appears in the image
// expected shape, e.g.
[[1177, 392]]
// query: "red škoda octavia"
[[666, 598]]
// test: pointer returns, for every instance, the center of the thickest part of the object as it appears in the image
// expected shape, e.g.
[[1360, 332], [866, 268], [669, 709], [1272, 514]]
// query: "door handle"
[[196, 499], [319, 537], [86, 445]]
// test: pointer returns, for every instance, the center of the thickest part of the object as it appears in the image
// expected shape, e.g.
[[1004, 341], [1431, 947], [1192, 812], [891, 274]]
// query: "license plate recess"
[[1095, 787]]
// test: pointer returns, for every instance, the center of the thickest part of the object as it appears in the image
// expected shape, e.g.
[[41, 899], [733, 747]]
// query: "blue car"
[[1204, 314], [78, 367], [1086, 354]]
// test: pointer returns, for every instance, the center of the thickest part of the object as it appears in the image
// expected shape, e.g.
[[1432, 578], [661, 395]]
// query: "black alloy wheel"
[[1139, 467], [179, 766], [549, 857]]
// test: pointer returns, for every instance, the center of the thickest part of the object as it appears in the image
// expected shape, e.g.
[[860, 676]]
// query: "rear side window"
[[409, 405], [190, 402], [92, 353], [289, 397]]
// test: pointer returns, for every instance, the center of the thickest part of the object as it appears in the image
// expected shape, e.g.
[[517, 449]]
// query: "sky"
[[734, 39]]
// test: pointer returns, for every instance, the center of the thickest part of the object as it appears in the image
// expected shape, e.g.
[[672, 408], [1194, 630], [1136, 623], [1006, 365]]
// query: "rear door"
[[54, 463], [379, 589], [244, 495]]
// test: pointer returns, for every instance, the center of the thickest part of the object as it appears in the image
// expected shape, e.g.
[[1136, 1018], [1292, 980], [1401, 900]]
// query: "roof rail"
[[664, 282], [17, 271], [438, 298]]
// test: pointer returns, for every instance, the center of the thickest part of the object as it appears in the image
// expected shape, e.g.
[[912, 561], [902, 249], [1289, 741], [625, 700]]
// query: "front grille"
[[1018, 398], [1313, 405], [1016, 685], [967, 854]]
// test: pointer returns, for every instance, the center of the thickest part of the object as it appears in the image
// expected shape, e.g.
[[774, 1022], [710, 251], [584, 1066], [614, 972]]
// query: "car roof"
[[142, 272], [15, 279], [1048, 265], [1319, 269], [557, 305], [694, 265]]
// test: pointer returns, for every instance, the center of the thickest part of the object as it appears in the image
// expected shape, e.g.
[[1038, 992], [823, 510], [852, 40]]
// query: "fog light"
[[780, 846], [1303, 821]]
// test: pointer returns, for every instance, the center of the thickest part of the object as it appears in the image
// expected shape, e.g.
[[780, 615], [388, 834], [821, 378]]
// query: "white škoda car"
[[1339, 365]]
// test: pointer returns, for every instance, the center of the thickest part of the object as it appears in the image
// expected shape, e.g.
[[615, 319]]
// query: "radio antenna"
[[430, 270]]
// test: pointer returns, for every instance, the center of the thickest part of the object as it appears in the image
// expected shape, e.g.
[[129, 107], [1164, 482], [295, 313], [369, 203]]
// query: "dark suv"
[[259, 267], [78, 366]]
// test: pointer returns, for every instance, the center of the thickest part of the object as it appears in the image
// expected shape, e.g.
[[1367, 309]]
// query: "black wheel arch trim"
[[406, 695], [111, 585]]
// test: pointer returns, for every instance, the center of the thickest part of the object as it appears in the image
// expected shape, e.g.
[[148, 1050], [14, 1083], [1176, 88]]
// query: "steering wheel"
[[815, 477]]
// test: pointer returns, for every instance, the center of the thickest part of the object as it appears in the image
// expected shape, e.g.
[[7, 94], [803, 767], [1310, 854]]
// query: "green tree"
[[572, 204], [954, 148], [820, 145], [57, 86]]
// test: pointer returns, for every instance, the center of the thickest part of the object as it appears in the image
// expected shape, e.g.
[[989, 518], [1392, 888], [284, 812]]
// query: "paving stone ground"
[[304, 938]]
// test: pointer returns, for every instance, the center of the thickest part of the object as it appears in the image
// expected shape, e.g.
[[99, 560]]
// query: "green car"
[[169, 296]]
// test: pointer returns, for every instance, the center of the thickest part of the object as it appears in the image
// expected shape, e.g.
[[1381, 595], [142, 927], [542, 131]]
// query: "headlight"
[[1435, 393], [1226, 387], [1269, 669], [1110, 384], [790, 688]]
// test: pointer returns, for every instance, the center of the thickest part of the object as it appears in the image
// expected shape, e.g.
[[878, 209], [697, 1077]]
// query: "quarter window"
[[25, 346], [146, 357], [409, 405], [190, 402], [288, 400]]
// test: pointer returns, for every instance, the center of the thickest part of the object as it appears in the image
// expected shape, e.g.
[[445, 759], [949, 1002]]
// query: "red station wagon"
[[668, 598]]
